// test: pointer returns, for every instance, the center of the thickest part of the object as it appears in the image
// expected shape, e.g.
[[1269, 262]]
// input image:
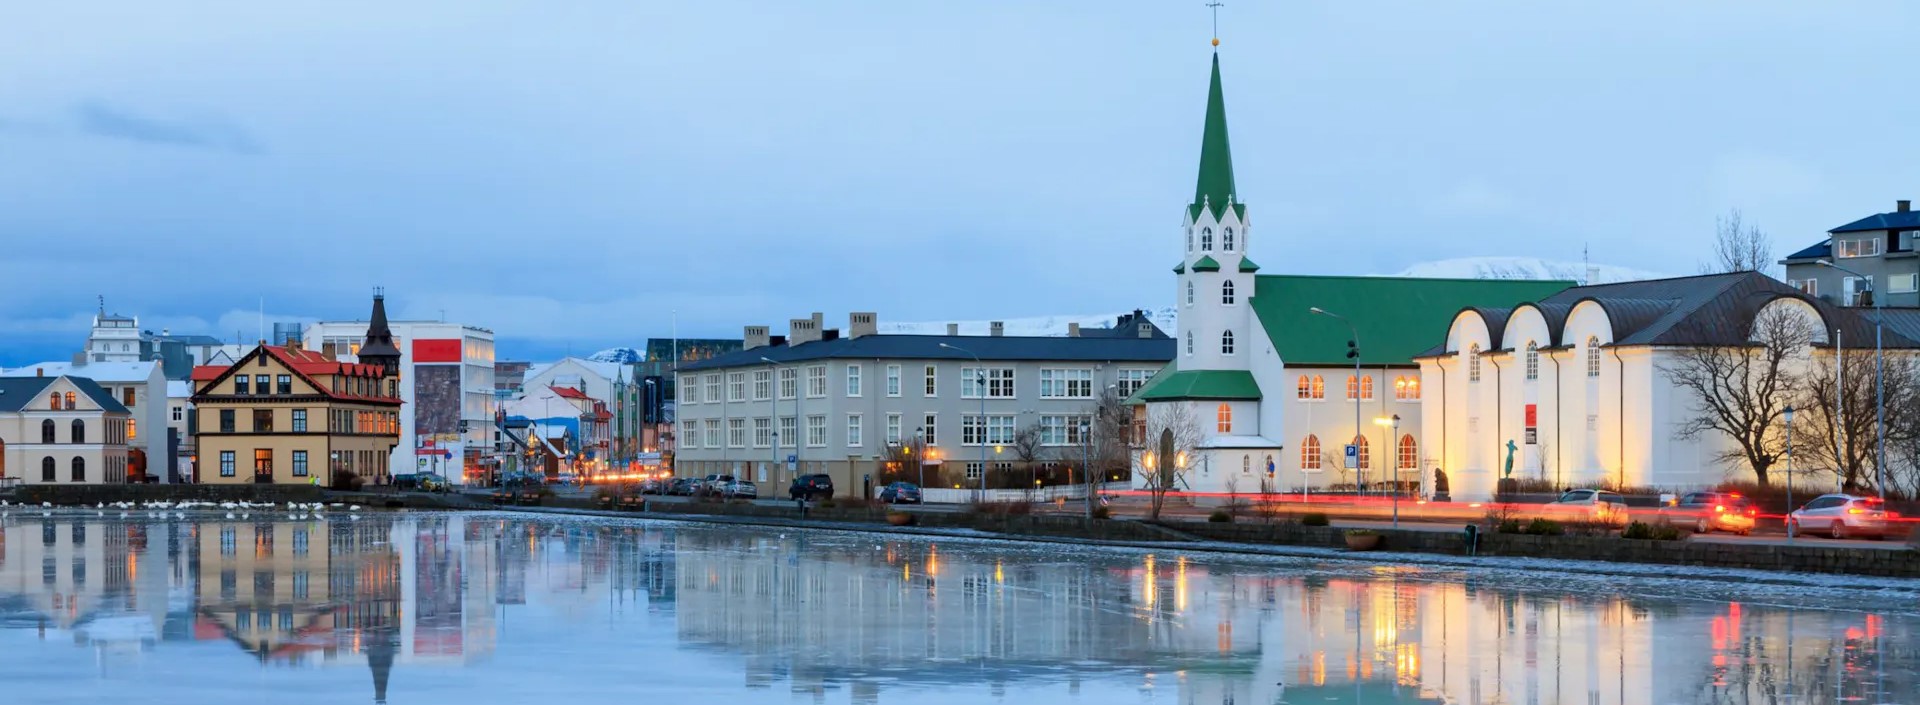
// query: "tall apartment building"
[[1880, 249], [818, 402]]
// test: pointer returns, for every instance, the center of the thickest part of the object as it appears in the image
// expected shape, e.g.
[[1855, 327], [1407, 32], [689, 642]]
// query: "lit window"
[[1593, 356], [1310, 453], [1226, 343], [1303, 389], [1406, 388], [1224, 418], [1365, 462], [1409, 453], [1473, 363], [1533, 360], [1226, 293], [1359, 387]]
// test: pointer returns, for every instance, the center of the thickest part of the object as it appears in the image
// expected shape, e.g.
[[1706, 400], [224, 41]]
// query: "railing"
[[1039, 494]]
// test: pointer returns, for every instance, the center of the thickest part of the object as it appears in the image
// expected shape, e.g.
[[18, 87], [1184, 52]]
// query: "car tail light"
[[1856, 510], [1719, 508]]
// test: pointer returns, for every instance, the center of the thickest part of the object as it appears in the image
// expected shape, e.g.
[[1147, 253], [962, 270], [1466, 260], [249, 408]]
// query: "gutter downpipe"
[[1443, 425], [1556, 417], [1499, 401], [1621, 371]]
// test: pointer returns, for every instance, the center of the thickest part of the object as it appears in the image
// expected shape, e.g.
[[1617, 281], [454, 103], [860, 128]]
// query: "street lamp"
[[1879, 383], [1393, 426], [980, 370], [1789, 415], [1353, 352], [773, 409], [920, 455]]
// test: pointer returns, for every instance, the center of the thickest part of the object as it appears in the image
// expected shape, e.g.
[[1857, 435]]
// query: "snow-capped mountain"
[[1525, 268], [1055, 325], [623, 356]]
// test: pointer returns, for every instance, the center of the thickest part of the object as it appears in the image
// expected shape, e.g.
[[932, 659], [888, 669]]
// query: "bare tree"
[[1027, 448], [1112, 442], [1173, 434], [1269, 507], [1841, 422], [1740, 391], [1739, 246]]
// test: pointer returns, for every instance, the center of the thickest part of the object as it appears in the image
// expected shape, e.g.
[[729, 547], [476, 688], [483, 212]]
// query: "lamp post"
[[920, 455], [1879, 384], [1353, 352], [980, 370], [773, 409], [1393, 426], [1789, 417], [1086, 469]]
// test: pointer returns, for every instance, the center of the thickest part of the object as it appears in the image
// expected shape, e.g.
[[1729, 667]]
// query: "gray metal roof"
[[927, 347], [18, 393]]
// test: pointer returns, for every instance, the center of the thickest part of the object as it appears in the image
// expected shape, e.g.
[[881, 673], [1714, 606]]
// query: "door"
[[1820, 513]]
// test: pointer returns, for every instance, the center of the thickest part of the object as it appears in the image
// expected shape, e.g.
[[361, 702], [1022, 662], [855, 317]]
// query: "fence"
[[1040, 494]]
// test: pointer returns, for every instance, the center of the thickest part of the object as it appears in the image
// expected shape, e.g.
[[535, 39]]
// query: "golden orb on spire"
[[1216, 41]]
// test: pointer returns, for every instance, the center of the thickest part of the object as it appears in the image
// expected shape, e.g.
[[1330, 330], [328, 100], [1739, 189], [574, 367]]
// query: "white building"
[[446, 383], [114, 338], [180, 423], [591, 376], [139, 386], [1255, 364], [1577, 382]]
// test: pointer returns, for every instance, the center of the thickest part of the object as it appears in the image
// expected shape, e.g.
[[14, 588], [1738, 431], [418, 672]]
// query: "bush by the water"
[[1544, 527], [1102, 513], [1220, 516], [1657, 531], [1314, 519]]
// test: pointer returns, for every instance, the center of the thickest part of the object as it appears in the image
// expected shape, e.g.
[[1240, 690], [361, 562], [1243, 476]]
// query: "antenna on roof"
[[103, 305], [1586, 263]]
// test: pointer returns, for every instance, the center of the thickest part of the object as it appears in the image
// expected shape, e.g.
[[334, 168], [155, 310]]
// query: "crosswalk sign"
[[1353, 456]]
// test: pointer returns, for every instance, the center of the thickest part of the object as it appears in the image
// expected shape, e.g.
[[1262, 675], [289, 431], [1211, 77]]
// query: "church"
[[1245, 405]]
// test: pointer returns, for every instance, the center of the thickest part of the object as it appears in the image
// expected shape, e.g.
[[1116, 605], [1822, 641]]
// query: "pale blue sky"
[[567, 173]]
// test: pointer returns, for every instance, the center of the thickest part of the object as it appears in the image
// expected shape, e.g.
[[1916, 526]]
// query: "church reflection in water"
[[860, 616]]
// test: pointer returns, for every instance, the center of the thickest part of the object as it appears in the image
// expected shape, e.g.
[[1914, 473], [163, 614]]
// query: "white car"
[[1595, 505], [740, 489], [1841, 516]]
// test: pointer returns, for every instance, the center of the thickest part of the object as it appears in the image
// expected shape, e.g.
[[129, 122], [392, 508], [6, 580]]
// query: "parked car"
[[1841, 516], [900, 493], [423, 481], [653, 485], [514, 480], [682, 486], [1714, 511], [1601, 506], [714, 483], [811, 487], [740, 489]]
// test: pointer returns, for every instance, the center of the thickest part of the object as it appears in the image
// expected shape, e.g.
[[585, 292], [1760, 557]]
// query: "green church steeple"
[[1214, 190]]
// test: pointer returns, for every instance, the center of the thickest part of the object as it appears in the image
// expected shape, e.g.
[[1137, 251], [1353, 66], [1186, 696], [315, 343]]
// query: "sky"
[[586, 174]]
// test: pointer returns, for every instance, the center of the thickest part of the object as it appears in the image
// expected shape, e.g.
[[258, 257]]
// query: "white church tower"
[[1215, 277]]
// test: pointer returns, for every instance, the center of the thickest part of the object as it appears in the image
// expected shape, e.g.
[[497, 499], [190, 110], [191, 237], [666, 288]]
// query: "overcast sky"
[[569, 173]]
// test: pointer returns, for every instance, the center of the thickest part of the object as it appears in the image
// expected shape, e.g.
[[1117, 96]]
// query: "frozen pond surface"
[[506, 608]]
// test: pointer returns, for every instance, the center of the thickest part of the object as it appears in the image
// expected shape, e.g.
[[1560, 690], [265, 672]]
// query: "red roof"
[[604, 415], [569, 392], [305, 363]]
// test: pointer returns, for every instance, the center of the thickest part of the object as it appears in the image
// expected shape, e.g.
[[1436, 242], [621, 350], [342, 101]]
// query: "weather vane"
[[1215, 6]]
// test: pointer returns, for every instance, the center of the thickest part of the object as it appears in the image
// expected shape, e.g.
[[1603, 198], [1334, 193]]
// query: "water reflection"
[[422, 604]]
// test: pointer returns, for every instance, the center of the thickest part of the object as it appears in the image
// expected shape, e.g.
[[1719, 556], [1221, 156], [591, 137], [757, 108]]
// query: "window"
[[1224, 419], [893, 428], [998, 381], [762, 432], [1593, 356], [1189, 239], [1810, 287], [1226, 239], [687, 433], [762, 385], [816, 381], [933, 381], [242, 384], [713, 388], [126, 397], [1246, 464], [263, 462], [853, 380], [893, 380], [1310, 453], [299, 420], [1533, 360], [1473, 363], [1406, 388], [1206, 239], [1063, 430], [79, 470], [226, 421], [1226, 343], [996, 429], [1409, 453], [1855, 290], [931, 427], [854, 428], [53, 401], [70, 399], [1226, 293], [689, 388], [736, 433], [47, 471], [263, 420], [816, 431], [283, 384], [736, 386], [1189, 293], [1864, 247], [1189, 342], [78, 432], [712, 428], [47, 430], [302, 585], [260, 383], [1903, 283], [1365, 461], [1132, 380], [1360, 387], [789, 432], [1068, 383], [974, 470], [179, 414], [133, 429], [789, 383], [299, 463]]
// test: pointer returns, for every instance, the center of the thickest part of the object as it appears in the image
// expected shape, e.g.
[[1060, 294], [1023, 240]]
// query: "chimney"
[[39, 371], [996, 329], [953, 329], [803, 330], [754, 337], [1073, 330], [1902, 205], [862, 324]]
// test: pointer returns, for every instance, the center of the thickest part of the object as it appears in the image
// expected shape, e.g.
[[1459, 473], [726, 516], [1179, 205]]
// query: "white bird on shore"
[[354, 508], [229, 515], [46, 505]]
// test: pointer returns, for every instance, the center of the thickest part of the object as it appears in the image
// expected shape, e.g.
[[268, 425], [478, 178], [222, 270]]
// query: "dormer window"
[[1206, 239], [1226, 239], [1865, 247]]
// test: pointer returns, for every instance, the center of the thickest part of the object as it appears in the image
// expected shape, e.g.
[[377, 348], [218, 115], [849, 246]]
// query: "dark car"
[[653, 485], [683, 486], [900, 493], [811, 487]]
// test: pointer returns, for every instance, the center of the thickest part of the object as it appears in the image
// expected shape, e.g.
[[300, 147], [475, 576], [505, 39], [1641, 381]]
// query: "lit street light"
[[1353, 352], [980, 371], [1393, 426]]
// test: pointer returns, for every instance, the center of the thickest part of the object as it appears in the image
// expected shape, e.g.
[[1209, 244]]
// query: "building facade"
[[446, 373], [1880, 249], [140, 387], [61, 430], [817, 402], [1265, 391]]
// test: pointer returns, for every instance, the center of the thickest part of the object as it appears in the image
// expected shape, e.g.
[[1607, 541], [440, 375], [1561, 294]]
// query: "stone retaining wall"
[[71, 495]]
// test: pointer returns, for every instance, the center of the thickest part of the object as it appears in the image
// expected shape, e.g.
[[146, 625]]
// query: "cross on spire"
[[1215, 7]]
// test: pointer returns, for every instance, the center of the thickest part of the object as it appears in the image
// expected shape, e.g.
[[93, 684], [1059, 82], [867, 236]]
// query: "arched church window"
[[1189, 293], [1226, 343], [1533, 360], [1206, 239], [1226, 293], [1226, 239], [1189, 342], [1473, 363], [1310, 453], [1223, 418], [1593, 356], [1189, 239]]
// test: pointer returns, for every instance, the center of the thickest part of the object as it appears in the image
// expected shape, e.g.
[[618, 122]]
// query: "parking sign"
[[1353, 456]]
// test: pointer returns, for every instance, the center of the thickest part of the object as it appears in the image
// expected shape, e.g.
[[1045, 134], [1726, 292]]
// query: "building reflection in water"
[[860, 616]]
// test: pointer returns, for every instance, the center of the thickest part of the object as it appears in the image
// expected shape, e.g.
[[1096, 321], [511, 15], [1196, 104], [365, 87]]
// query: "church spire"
[[379, 348], [1214, 190]]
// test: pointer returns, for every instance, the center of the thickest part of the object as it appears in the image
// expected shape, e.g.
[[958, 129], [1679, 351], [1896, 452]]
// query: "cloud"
[[100, 119]]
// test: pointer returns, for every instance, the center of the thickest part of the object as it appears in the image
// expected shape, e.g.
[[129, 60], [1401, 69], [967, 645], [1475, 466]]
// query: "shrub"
[[1314, 519], [1103, 512], [1000, 508], [1508, 526], [1542, 526], [1362, 532], [827, 503], [1219, 516], [1657, 531]]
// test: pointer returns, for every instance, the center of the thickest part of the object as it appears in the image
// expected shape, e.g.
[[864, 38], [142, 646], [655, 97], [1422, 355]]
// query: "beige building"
[[61, 430], [290, 415]]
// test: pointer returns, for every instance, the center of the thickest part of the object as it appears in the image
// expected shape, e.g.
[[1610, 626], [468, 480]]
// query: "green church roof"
[[1214, 189], [1172, 384], [1180, 268], [1206, 264], [1397, 317], [1247, 265]]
